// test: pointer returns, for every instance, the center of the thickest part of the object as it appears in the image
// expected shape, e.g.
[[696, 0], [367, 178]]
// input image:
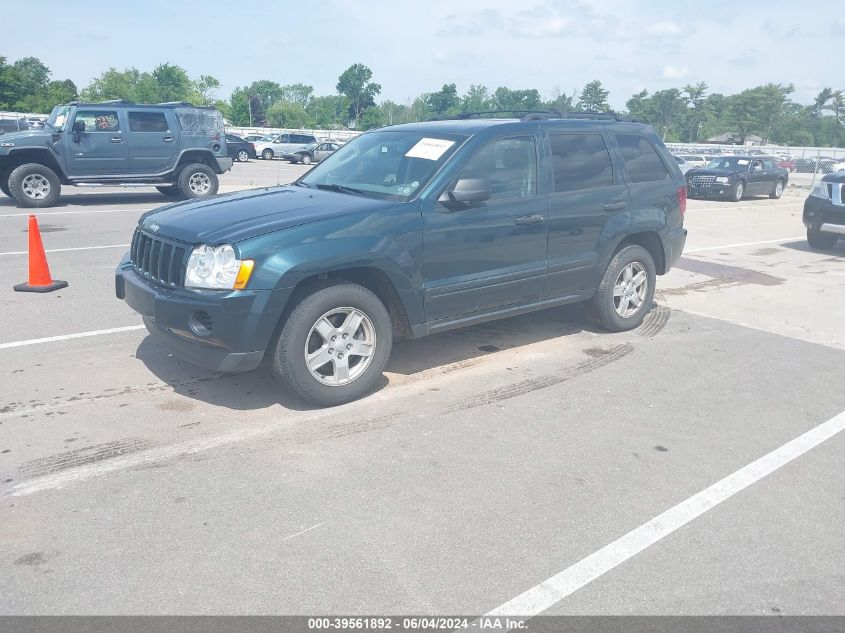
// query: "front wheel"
[[738, 191], [625, 291], [197, 180], [821, 241], [334, 345], [34, 185], [777, 192]]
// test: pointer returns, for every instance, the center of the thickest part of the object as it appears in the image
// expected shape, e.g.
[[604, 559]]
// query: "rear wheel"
[[34, 185], [243, 156], [821, 241], [625, 292], [197, 181], [738, 191], [267, 154], [334, 345], [777, 192]]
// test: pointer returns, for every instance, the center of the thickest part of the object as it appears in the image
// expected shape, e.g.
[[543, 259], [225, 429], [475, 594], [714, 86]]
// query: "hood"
[[701, 171], [27, 138], [231, 218]]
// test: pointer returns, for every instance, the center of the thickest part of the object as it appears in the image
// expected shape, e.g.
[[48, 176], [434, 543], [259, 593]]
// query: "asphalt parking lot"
[[493, 459]]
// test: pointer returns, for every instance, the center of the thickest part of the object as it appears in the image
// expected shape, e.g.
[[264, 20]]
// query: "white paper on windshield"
[[742, 162], [429, 148]]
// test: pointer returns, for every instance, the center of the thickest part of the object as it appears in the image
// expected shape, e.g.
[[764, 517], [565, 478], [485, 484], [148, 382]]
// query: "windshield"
[[387, 164], [728, 162], [58, 117]]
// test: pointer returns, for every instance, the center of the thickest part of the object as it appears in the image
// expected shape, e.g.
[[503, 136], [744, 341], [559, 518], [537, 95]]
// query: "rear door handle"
[[168, 139], [116, 139], [524, 220], [616, 206]]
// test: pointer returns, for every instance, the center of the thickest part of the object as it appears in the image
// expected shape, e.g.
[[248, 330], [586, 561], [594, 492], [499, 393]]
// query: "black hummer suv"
[[406, 231], [176, 147]]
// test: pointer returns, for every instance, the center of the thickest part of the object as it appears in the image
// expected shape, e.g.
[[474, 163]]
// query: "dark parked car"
[[312, 153], [824, 211], [407, 231], [735, 177], [13, 125], [239, 149], [175, 147]]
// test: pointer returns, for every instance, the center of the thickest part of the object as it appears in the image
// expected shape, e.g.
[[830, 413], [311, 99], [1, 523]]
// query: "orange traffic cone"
[[39, 271]]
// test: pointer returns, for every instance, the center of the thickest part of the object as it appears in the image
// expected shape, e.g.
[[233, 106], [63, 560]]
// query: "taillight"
[[682, 199]]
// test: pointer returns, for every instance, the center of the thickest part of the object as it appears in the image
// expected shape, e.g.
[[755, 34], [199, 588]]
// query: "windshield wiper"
[[342, 189]]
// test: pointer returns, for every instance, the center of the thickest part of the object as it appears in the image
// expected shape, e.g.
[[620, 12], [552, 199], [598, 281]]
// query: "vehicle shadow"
[[838, 249], [99, 199], [409, 360]]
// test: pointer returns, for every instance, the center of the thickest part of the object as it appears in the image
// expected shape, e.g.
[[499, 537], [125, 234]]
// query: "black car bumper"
[[711, 191], [824, 215], [226, 331]]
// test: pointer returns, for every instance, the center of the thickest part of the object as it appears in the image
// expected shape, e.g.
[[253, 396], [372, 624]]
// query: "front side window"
[[386, 164], [508, 165], [580, 161], [147, 122], [98, 120], [642, 161]]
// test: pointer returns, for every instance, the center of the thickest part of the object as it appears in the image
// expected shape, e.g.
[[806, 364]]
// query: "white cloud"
[[673, 72], [664, 27]]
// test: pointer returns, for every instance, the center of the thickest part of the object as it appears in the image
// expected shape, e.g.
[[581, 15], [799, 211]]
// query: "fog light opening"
[[200, 323]]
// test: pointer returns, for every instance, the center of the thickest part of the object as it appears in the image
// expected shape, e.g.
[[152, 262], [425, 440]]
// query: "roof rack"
[[544, 115]]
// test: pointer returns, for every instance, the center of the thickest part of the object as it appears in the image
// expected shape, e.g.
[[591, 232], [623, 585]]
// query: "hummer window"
[[147, 122], [99, 120]]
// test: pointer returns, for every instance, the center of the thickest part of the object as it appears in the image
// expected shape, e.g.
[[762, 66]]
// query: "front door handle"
[[168, 139], [116, 139], [616, 206], [525, 220]]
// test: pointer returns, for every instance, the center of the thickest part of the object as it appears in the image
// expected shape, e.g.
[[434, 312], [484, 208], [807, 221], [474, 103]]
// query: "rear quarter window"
[[642, 162]]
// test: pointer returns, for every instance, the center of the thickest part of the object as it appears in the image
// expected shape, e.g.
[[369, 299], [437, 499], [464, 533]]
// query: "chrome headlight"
[[217, 268], [820, 191], [722, 180]]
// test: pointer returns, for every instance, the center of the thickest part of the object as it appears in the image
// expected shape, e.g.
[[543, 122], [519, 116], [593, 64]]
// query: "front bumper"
[[711, 191], [824, 215], [226, 331]]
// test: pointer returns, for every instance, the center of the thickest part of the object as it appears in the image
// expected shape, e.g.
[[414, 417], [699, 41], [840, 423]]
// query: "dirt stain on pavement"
[[175, 405], [82, 456], [721, 276], [33, 559]]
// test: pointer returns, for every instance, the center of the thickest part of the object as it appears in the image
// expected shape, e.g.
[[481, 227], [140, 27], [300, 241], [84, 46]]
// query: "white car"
[[694, 160], [283, 144]]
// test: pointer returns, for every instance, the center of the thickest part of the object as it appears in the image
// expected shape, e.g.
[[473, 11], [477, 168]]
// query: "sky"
[[416, 47]]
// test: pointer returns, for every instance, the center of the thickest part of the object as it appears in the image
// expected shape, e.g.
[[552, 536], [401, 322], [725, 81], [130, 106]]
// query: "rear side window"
[[302, 138], [99, 121], [642, 162], [147, 122], [580, 161]]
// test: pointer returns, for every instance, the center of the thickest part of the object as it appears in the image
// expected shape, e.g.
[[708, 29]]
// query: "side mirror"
[[467, 191]]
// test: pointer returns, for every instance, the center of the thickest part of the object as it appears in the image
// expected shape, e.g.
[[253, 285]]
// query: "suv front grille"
[[702, 181], [158, 259]]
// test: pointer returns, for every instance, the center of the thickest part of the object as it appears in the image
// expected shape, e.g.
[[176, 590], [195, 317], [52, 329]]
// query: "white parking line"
[[551, 591], [67, 337], [40, 214], [716, 248], [64, 250]]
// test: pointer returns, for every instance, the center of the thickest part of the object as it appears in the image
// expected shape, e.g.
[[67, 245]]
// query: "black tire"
[[19, 181], [821, 241], [602, 308], [288, 353], [777, 191], [197, 180], [737, 191], [305, 159], [267, 154], [170, 192], [242, 156], [4, 183]]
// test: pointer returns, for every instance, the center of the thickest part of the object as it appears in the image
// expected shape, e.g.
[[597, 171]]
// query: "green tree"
[[593, 98], [444, 101], [298, 93], [238, 107], [696, 99], [205, 88], [757, 110], [258, 115], [172, 84], [355, 84], [477, 99], [560, 101], [267, 91], [329, 112], [507, 99], [287, 114]]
